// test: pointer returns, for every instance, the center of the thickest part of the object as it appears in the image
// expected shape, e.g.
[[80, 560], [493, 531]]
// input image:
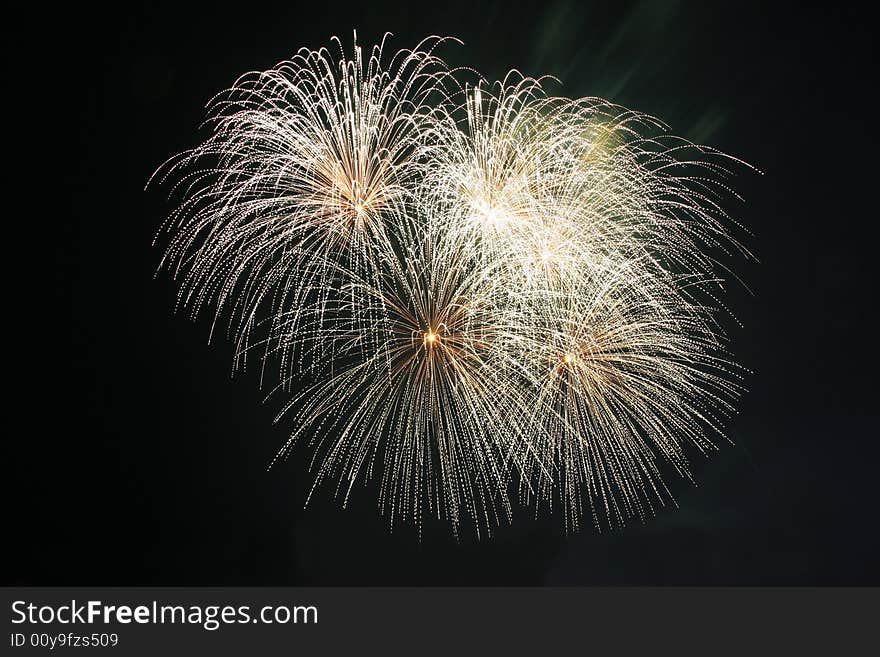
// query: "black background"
[[134, 458]]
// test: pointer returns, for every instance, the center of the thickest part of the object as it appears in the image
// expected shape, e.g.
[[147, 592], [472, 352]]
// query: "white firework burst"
[[308, 167], [435, 401], [470, 288], [628, 377]]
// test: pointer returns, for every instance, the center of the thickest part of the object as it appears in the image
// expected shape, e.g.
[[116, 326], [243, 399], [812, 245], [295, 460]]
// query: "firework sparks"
[[468, 288], [626, 375], [435, 399], [306, 170]]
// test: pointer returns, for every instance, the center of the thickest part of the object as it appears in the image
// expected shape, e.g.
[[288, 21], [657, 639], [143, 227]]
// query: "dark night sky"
[[136, 459]]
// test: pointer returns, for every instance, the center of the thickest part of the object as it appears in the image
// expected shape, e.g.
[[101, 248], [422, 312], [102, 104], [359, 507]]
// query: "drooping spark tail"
[[476, 293]]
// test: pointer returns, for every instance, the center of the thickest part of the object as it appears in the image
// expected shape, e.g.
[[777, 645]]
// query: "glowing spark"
[[472, 287]]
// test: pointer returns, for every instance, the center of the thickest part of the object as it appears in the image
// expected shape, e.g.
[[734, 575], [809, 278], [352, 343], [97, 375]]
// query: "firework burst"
[[470, 289], [436, 402], [627, 376], [307, 170]]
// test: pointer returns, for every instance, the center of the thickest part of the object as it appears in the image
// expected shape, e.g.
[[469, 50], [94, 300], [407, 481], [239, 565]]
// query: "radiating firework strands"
[[476, 293], [307, 167]]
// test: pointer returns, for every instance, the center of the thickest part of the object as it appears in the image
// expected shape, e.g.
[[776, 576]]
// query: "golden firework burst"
[[468, 288]]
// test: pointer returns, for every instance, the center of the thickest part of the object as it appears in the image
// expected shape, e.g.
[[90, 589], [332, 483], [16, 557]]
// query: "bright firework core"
[[477, 293]]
